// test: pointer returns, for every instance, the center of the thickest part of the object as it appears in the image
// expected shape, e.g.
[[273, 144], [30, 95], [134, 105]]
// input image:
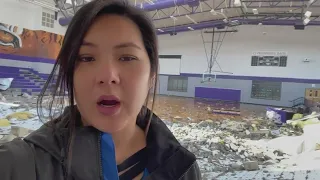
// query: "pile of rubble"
[[17, 118], [221, 147], [231, 146]]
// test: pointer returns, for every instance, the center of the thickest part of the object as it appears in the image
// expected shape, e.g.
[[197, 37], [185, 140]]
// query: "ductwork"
[[160, 4], [220, 23]]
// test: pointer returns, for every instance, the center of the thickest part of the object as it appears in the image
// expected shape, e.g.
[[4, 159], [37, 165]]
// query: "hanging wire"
[[205, 49], [224, 35]]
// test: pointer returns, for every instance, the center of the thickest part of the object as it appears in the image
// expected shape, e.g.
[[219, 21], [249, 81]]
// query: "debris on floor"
[[226, 147], [17, 118], [5, 83]]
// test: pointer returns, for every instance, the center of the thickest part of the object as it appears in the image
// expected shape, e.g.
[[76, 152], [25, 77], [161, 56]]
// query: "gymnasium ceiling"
[[186, 15]]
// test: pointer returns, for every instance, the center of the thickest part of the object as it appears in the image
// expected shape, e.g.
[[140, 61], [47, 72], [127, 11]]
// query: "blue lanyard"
[[108, 156]]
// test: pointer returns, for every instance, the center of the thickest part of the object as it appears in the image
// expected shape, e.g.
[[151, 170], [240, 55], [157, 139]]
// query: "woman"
[[108, 65]]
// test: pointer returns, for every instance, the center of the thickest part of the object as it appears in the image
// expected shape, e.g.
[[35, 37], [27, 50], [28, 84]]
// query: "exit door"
[[312, 96], [312, 93]]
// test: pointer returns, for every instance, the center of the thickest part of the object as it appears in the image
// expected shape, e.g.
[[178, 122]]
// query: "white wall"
[[235, 53], [26, 15]]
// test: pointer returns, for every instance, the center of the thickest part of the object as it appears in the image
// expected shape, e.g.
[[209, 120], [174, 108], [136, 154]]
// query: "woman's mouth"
[[108, 105]]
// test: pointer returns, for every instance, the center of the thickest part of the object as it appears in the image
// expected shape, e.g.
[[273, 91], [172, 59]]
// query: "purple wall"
[[26, 58], [218, 93]]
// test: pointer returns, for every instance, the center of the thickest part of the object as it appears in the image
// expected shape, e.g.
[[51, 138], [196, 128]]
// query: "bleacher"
[[26, 80]]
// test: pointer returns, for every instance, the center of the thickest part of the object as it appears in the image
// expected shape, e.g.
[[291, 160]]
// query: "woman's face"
[[112, 75]]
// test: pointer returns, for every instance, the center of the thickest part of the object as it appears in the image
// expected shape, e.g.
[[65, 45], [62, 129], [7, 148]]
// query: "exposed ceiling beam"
[[220, 23], [219, 9]]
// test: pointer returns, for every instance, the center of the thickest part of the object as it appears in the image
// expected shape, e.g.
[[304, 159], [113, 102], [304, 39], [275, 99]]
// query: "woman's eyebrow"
[[126, 45], [86, 43], [119, 46]]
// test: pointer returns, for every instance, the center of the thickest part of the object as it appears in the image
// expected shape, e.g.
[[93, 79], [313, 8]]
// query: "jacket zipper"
[[99, 152]]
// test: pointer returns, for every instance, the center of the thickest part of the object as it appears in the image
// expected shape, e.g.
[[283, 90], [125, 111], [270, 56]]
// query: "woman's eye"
[[86, 59], [127, 58]]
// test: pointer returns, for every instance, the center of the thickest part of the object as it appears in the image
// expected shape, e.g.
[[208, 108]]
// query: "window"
[[178, 83], [266, 90], [48, 20], [283, 61]]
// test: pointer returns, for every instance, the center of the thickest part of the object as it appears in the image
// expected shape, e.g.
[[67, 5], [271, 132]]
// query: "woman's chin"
[[110, 126]]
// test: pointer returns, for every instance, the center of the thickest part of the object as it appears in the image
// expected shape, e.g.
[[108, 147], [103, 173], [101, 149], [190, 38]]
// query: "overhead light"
[[213, 12], [306, 21], [255, 11], [174, 18], [307, 14], [237, 3], [191, 28], [160, 30], [225, 20], [191, 19]]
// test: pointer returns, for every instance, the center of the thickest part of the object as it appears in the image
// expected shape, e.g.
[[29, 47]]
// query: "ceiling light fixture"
[[174, 18], [160, 30], [190, 28], [195, 22], [306, 21], [307, 14], [213, 12], [255, 11], [237, 3]]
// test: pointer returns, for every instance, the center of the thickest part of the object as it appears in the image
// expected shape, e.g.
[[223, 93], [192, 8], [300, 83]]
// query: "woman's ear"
[[152, 81]]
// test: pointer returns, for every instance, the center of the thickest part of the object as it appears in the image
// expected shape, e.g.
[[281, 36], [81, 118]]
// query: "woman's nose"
[[108, 73]]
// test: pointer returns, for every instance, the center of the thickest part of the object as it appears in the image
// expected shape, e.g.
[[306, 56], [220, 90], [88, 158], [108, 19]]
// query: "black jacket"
[[42, 154]]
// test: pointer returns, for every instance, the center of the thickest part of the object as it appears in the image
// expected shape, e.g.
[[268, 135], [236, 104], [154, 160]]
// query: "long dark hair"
[[60, 82]]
